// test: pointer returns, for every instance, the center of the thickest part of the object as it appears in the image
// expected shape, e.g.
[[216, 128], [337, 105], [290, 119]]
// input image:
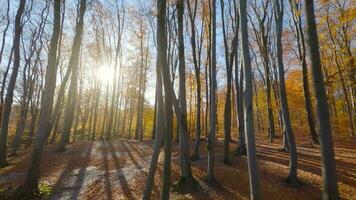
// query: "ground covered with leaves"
[[118, 169]]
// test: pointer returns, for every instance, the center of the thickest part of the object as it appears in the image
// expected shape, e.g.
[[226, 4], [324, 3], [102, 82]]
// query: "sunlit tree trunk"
[[292, 174]]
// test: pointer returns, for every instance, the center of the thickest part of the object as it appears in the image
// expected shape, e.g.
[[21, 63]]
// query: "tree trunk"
[[343, 85], [326, 143], [297, 21], [33, 173], [186, 178], [162, 59], [73, 88], [248, 106], [213, 102], [192, 15], [159, 133], [11, 86], [292, 174], [96, 110]]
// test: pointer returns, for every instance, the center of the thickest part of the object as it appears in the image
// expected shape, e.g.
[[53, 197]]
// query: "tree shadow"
[[138, 151], [107, 182], [83, 161], [120, 175], [309, 163]]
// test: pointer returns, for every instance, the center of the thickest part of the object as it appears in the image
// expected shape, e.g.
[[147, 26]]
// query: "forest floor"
[[118, 169]]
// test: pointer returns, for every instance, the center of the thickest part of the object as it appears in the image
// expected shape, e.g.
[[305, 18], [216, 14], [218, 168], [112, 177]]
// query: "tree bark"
[[292, 174], [11, 86], [213, 102], [248, 106], [33, 173], [73, 88], [326, 143], [186, 178]]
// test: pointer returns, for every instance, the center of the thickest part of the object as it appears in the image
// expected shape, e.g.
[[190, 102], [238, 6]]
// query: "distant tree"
[[295, 7]]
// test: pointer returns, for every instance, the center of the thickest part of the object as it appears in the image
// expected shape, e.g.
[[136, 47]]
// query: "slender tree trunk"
[[11, 86], [1, 54], [33, 173], [153, 134], [159, 133], [248, 106], [73, 64], [162, 58], [192, 16], [241, 118], [292, 174], [20, 128], [343, 85], [297, 21], [186, 179], [96, 110], [57, 109], [326, 143], [103, 125], [139, 119], [213, 102]]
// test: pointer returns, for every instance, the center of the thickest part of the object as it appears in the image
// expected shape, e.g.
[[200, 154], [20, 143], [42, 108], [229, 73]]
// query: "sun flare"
[[105, 75]]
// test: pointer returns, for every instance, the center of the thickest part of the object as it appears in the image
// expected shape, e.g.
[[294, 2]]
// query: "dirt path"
[[117, 170]]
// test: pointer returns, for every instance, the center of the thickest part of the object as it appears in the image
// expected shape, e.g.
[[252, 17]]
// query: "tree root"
[[284, 149], [240, 151], [293, 182], [186, 185], [211, 181]]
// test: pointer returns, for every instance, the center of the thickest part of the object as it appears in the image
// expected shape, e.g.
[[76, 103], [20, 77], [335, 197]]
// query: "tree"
[[292, 174], [186, 179], [229, 60], [297, 22], [121, 22], [196, 61], [326, 143], [31, 183], [73, 64], [11, 86], [262, 34], [213, 101], [248, 105], [163, 66], [32, 55], [158, 132]]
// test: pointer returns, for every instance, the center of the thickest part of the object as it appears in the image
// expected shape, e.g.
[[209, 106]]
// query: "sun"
[[105, 75]]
